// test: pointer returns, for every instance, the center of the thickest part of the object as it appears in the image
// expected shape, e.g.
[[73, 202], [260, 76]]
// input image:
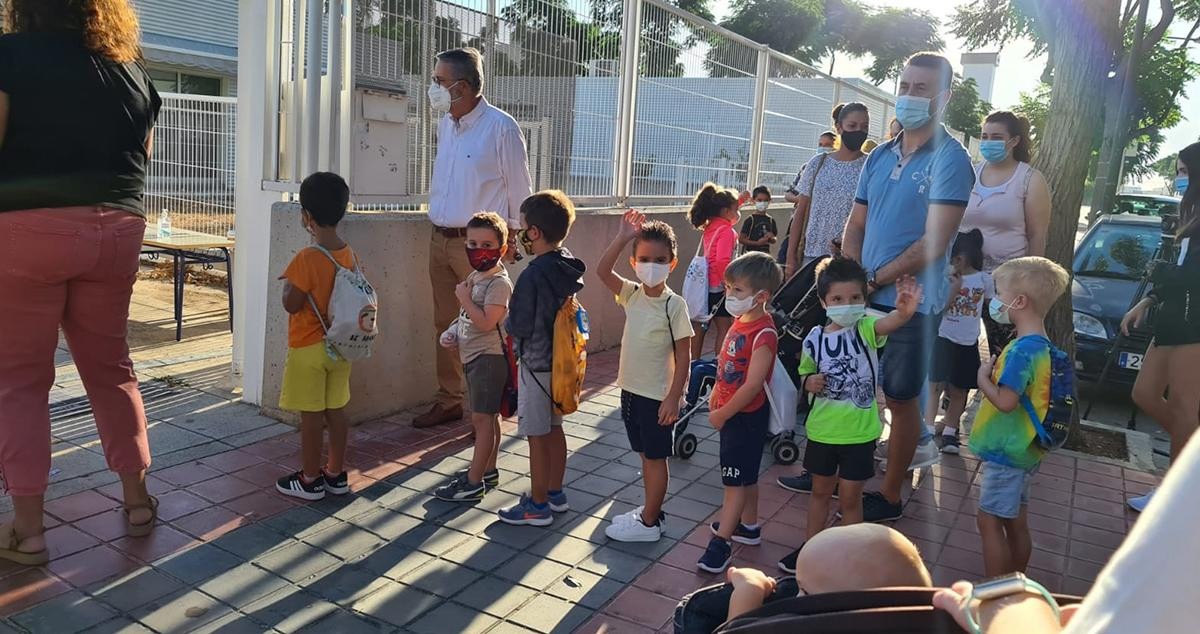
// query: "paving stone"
[[447, 466], [585, 588], [601, 451], [289, 610], [199, 563], [383, 494], [551, 614], [614, 564], [441, 577], [563, 548], [345, 541], [65, 614], [585, 463], [480, 554], [397, 604], [417, 479], [242, 585], [119, 625], [432, 538], [394, 560], [342, 507], [704, 493], [233, 623], [689, 509], [580, 499], [223, 421], [299, 522], [471, 521], [168, 614], [386, 523], [135, 589], [649, 550], [509, 628], [498, 597], [296, 562], [343, 622], [451, 617], [191, 454], [346, 584], [532, 571]]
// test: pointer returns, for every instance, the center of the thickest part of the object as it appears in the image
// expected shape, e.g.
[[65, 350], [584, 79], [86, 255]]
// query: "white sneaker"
[[631, 529], [1139, 503], [926, 454], [632, 516]]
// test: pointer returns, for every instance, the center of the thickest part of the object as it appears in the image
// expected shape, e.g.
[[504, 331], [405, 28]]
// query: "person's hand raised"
[[631, 225]]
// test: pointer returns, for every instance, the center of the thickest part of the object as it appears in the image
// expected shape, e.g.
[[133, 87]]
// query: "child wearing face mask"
[[478, 335], [654, 362], [714, 211], [738, 407], [1017, 386], [759, 230], [839, 368]]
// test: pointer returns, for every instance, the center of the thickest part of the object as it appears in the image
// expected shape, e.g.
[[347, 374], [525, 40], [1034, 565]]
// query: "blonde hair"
[[1037, 278], [759, 270], [109, 27]]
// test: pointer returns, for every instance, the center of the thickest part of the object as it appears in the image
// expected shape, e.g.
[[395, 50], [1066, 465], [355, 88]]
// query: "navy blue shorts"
[[906, 357], [853, 463], [742, 441], [646, 436]]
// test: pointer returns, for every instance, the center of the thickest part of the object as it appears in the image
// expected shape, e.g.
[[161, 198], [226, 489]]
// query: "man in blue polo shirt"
[[910, 200]]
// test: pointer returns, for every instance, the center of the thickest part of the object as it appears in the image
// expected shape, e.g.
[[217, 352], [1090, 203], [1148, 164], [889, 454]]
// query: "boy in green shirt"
[[839, 367]]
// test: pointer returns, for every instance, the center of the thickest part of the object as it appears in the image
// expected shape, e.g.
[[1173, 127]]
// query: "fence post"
[[313, 43], [758, 117], [337, 63], [489, 66], [631, 19]]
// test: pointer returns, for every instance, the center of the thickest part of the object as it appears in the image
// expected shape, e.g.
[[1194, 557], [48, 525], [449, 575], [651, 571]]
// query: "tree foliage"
[[966, 110]]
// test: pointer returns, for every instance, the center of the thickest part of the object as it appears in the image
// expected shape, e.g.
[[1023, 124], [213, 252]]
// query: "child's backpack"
[[569, 357], [1053, 429], [352, 322]]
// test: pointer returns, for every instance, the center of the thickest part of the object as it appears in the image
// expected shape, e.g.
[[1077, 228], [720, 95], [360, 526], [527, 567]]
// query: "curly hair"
[[709, 202], [109, 27]]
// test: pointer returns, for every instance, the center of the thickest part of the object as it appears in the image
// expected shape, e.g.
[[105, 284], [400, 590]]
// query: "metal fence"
[[191, 171], [620, 100]]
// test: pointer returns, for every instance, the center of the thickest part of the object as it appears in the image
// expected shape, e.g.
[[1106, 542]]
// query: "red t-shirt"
[[734, 361]]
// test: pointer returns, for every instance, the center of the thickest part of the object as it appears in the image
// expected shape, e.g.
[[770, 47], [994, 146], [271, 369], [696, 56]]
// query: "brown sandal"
[[143, 529], [11, 552]]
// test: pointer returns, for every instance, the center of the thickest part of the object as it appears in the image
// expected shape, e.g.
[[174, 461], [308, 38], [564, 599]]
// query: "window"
[[172, 81], [1117, 250]]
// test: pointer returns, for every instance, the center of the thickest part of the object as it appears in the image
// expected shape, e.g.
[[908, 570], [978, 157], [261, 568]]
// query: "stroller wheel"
[[685, 446], [785, 451]]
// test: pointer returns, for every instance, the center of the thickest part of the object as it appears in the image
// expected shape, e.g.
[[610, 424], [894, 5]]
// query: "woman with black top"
[[76, 113], [1174, 354]]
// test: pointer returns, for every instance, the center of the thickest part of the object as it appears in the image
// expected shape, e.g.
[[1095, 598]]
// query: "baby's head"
[[859, 557], [1029, 285]]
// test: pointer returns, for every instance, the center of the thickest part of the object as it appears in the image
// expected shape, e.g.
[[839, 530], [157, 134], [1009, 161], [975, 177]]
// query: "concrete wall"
[[393, 248]]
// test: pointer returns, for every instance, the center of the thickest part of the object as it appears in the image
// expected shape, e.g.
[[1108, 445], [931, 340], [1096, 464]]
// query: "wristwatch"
[[871, 283], [1000, 587]]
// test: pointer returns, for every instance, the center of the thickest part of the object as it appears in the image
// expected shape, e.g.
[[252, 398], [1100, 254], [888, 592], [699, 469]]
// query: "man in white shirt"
[[481, 165]]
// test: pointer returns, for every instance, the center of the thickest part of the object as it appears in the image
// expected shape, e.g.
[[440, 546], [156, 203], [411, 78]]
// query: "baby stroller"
[[700, 386], [796, 308]]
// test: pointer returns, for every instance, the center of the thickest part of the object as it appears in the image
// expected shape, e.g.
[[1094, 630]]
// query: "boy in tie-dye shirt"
[[1003, 435]]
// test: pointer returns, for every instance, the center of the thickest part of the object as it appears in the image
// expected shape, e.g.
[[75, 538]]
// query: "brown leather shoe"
[[438, 415]]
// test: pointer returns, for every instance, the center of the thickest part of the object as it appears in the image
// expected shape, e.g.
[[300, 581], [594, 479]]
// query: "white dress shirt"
[[481, 165]]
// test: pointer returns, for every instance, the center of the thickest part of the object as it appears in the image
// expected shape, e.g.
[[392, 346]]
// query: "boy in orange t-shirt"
[[316, 382]]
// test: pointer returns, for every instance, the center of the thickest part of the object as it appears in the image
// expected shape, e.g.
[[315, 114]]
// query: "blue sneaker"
[[524, 513], [716, 557], [558, 502], [742, 534]]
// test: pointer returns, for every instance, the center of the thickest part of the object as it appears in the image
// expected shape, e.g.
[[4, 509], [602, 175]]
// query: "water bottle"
[[164, 224]]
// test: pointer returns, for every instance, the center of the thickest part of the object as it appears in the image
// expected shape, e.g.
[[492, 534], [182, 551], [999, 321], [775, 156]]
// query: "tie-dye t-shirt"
[[1009, 437]]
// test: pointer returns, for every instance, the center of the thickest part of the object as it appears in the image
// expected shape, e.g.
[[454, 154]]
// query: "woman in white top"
[[826, 190], [1010, 203]]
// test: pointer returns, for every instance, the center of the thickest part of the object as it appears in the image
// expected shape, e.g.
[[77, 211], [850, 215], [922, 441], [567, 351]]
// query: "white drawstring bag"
[[695, 286], [352, 325]]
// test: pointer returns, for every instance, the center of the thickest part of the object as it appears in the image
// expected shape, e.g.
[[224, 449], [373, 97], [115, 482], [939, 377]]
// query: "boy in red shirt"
[[738, 408]]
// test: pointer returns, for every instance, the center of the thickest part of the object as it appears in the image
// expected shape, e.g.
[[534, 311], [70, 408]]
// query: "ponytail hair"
[[1017, 126], [709, 202], [969, 244]]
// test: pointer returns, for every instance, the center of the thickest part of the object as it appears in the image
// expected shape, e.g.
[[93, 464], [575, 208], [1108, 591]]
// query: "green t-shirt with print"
[[845, 412]]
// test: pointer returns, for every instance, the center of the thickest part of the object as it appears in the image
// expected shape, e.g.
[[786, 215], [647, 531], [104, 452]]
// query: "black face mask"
[[854, 140]]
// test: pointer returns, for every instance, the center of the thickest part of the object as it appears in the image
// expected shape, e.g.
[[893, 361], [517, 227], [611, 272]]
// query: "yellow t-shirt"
[[311, 272], [647, 352]]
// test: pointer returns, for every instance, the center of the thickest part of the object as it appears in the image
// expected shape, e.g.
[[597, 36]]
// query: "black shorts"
[[855, 463], [716, 304], [955, 364], [646, 436], [742, 441]]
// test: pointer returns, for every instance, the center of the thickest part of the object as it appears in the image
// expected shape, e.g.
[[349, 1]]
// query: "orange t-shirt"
[[312, 272]]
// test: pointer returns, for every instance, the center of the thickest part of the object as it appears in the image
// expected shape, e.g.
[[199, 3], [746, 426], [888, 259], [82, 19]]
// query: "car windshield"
[[1117, 250], [1140, 206]]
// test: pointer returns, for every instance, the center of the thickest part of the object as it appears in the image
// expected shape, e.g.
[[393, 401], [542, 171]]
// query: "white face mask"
[[738, 307], [439, 97], [652, 273], [761, 205]]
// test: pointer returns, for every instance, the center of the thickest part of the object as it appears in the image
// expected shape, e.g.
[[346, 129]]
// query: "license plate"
[[1130, 361]]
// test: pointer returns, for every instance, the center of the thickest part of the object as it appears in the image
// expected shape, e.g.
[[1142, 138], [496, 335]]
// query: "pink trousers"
[[72, 268]]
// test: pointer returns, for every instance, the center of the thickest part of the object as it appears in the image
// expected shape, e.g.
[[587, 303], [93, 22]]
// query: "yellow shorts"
[[312, 382]]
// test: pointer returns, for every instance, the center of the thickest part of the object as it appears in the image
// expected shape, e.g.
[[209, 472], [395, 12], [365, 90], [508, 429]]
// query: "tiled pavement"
[[231, 555]]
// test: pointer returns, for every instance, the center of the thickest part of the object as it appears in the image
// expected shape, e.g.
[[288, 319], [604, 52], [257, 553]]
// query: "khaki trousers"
[[448, 265]]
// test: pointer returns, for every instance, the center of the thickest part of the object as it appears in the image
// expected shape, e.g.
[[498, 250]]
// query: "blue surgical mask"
[[912, 112], [1181, 184], [993, 151], [846, 315], [824, 150], [999, 311]]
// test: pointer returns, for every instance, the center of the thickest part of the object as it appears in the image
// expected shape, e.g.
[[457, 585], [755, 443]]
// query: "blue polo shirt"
[[897, 191]]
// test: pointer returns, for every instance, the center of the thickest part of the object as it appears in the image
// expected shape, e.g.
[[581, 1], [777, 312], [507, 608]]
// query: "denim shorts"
[[906, 357], [1003, 490]]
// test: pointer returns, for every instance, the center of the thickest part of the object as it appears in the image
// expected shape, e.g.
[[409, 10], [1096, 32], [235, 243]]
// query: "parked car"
[[1145, 205], [1109, 264]]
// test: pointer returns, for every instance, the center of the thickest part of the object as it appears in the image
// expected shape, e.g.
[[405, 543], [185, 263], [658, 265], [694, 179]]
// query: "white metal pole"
[[758, 116], [311, 122], [626, 123], [295, 120], [337, 63], [273, 32]]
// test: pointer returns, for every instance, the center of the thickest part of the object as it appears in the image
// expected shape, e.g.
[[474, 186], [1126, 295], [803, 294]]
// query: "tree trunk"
[[1084, 36]]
